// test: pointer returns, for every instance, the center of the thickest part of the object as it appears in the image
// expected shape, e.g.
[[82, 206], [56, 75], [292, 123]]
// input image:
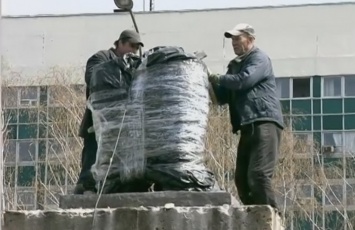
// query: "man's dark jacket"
[[98, 58], [249, 88]]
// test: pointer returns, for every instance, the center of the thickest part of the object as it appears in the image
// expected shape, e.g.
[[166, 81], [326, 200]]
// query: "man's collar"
[[244, 56], [113, 53]]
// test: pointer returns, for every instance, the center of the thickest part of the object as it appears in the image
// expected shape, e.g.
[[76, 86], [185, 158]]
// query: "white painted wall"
[[301, 41]]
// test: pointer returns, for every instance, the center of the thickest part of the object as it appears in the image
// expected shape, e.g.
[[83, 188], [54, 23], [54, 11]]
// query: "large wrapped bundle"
[[156, 135], [173, 89]]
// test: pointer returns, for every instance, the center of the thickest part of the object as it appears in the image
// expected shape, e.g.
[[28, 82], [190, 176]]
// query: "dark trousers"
[[258, 151], [88, 158]]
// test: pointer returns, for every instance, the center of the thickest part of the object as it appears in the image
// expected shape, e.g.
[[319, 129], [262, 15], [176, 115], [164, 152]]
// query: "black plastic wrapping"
[[156, 128]]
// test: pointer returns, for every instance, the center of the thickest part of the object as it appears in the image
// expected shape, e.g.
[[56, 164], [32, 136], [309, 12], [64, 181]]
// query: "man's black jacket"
[[98, 58], [249, 88]]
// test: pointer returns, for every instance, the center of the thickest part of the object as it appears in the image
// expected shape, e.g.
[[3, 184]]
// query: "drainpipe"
[[2, 205]]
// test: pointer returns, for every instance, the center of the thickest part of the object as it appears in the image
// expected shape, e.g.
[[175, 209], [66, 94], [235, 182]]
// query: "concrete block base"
[[118, 200], [155, 218]]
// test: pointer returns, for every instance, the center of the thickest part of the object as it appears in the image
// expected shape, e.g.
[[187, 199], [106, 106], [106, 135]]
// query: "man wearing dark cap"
[[128, 42], [249, 89]]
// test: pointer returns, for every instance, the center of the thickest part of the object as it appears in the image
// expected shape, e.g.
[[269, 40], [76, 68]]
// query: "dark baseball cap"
[[132, 36]]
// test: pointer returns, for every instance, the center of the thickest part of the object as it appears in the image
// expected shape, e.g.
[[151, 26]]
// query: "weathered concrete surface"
[[156, 218], [178, 198]]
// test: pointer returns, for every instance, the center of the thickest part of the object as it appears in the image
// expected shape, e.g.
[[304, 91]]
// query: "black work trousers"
[[88, 158], [258, 151]]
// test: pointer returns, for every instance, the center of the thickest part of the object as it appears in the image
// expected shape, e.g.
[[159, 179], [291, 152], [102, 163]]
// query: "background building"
[[312, 49]]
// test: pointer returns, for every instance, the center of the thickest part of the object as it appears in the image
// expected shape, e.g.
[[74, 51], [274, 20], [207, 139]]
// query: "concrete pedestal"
[[155, 218], [178, 198]]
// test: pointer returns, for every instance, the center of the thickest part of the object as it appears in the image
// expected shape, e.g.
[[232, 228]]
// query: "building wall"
[[301, 40]]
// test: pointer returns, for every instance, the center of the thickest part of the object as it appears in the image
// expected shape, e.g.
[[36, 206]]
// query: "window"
[[349, 122], [55, 151], [301, 223], [284, 195], [333, 220], [316, 82], [332, 122], [9, 176], [29, 96], [334, 195], [304, 191], [349, 105], [43, 95], [303, 143], [350, 86], [333, 167], [285, 104], [350, 194], [316, 106], [332, 86], [333, 139], [26, 176], [350, 168], [27, 132], [301, 107], [27, 151], [317, 124], [55, 174], [26, 197], [302, 123], [28, 116], [306, 171], [9, 97], [349, 141], [283, 87], [301, 87], [10, 151], [42, 150], [332, 106], [10, 116], [52, 198]]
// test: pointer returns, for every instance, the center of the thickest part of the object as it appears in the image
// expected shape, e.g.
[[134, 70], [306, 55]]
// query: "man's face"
[[128, 47], [241, 44]]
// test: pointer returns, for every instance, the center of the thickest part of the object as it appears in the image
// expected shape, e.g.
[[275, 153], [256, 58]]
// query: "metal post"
[[2, 205], [136, 27], [151, 5]]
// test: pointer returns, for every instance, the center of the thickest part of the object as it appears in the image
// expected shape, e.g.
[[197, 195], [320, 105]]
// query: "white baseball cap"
[[240, 29]]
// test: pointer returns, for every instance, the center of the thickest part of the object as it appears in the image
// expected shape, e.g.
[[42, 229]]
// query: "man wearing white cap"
[[249, 89]]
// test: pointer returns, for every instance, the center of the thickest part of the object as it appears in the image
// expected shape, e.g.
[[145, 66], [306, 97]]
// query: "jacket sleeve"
[[254, 70], [221, 94], [91, 63]]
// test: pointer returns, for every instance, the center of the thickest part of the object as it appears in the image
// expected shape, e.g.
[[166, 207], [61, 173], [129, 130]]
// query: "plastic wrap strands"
[[166, 122], [117, 125]]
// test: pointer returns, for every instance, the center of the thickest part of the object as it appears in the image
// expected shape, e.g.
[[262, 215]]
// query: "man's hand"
[[213, 78]]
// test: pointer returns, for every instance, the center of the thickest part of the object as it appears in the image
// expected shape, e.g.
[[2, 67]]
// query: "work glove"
[[213, 78], [91, 129]]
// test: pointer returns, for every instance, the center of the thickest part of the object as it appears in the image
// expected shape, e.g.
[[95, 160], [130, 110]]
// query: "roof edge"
[[184, 11]]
